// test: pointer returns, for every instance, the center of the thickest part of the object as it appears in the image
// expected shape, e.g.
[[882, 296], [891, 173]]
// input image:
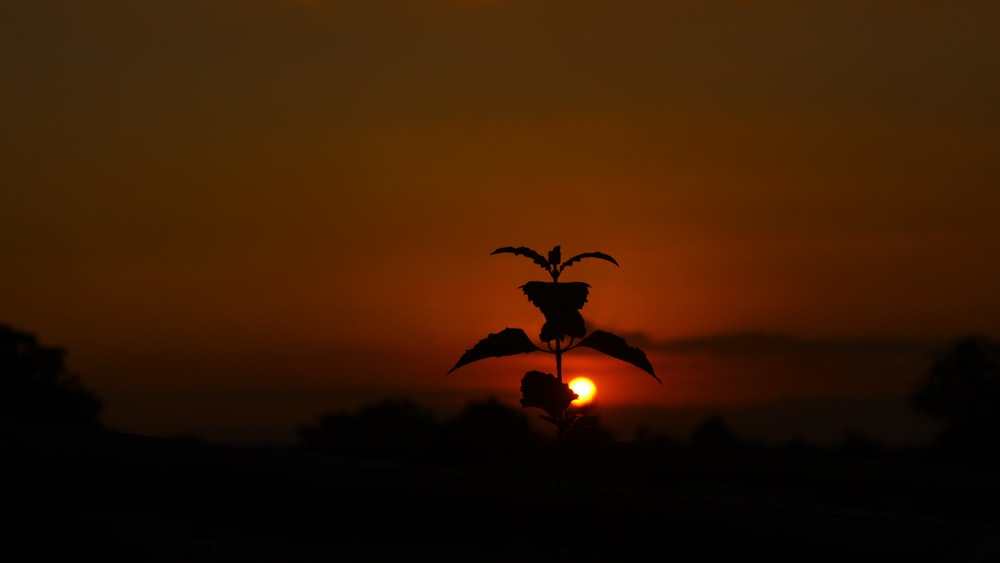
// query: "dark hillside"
[[85, 494]]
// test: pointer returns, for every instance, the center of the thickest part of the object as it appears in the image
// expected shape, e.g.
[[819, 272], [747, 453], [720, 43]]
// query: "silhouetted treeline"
[[484, 432], [715, 435], [134, 498], [961, 390], [489, 433]]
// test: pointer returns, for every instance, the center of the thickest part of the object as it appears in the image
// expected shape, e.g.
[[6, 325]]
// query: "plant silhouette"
[[564, 330]]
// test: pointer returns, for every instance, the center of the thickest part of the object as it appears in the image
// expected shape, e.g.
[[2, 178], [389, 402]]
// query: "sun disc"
[[585, 388]]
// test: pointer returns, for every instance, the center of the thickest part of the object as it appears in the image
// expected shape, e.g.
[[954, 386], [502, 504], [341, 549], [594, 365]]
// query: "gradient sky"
[[274, 198]]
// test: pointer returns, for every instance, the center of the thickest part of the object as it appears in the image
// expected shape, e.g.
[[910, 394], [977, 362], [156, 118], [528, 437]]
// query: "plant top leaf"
[[524, 251], [555, 256], [616, 347], [579, 257], [507, 342], [553, 264]]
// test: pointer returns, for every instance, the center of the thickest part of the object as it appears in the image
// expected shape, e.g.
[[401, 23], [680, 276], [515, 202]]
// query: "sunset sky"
[[239, 213]]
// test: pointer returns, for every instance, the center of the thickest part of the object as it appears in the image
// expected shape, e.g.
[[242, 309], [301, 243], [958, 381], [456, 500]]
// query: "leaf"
[[616, 347], [524, 251], [544, 391], [579, 257], [555, 255], [507, 342], [560, 303], [556, 296]]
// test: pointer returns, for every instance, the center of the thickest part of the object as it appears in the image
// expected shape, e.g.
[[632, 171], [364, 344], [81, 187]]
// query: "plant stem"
[[559, 352], [561, 426], [560, 447]]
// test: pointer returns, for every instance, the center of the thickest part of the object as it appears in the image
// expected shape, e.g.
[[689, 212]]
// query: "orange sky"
[[216, 196]]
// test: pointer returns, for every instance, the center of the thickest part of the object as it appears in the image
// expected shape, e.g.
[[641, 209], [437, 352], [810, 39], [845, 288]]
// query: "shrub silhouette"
[[483, 432], [963, 391], [390, 430], [713, 433], [489, 432], [36, 386]]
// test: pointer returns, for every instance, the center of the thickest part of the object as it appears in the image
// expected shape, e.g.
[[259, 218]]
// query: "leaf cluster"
[[561, 304], [513, 341]]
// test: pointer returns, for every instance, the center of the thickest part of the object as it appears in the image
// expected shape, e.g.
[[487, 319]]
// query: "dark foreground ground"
[[103, 496]]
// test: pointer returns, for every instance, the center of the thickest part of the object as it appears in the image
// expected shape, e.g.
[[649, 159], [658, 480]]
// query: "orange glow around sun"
[[585, 388]]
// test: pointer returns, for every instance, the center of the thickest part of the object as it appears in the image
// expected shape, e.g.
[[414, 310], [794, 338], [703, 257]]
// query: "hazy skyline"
[[222, 196]]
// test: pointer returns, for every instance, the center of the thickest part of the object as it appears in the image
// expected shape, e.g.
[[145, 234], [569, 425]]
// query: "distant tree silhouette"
[[36, 386], [713, 433], [963, 390], [489, 432], [390, 430], [859, 445], [589, 442], [484, 432]]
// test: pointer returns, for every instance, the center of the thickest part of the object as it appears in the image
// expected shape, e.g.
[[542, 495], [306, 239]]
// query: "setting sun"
[[585, 388]]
